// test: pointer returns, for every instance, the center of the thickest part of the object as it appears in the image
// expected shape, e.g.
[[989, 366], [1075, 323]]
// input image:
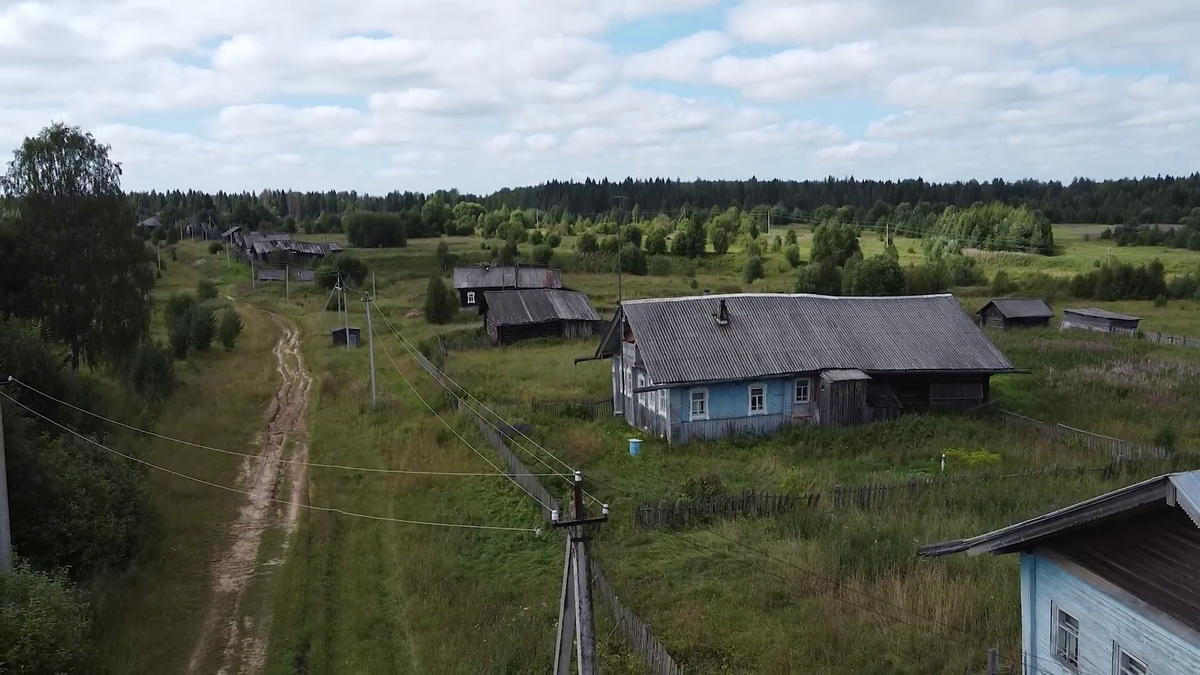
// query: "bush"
[[152, 370], [656, 241], [191, 326], [376, 229], [609, 243], [824, 278], [536, 237], [659, 266], [206, 290], [215, 247], [792, 253], [586, 243], [689, 241], [877, 275], [633, 260], [1160, 300], [349, 266], [834, 241], [789, 238], [230, 328], [445, 260], [776, 244], [542, 254], [554, 241], [202, 328], [720, 239], [440, 303], [704, 485], [1166, 437], [42, 628], [753, 269]]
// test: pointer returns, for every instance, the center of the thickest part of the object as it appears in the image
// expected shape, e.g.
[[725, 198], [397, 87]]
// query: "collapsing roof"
[[537, 305], [682, 340], [1098, 313], [507, 277], [1021, 308]]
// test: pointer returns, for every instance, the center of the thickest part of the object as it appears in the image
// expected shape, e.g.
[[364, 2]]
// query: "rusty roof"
[[537, 305]]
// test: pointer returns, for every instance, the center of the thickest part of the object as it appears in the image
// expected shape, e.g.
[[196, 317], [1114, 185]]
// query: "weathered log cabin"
[[1101, 320], [1112, 582], [1015, 313], [511, 316], [717, 365], [472, 282]]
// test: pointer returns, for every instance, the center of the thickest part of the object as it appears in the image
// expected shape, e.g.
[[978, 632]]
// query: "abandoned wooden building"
[[510, 316], [339, 337], [1015, 313], [1102, 320], [718, 365], [471, 282], [1111, 584]]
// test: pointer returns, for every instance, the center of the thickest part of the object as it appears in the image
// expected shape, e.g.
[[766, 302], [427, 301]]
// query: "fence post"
[[993, 661]]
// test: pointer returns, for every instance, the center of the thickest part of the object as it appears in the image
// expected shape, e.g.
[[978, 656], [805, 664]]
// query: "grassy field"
[[369, 596]]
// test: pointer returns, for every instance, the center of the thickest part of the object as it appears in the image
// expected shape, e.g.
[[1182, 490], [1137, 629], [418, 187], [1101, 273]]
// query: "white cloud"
[[857, 151], [687, 59]]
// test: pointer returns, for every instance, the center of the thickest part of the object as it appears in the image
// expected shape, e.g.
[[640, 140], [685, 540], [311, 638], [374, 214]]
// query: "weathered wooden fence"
[[1167, 339], [1116, 447], [637, 635], [873, 495], [688, 512], [582, 409], [517, 471], [463, 344]]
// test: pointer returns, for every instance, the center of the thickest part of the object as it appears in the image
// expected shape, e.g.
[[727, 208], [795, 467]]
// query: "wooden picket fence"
[[637, 635], [517, 470], [873, 495], [1117, 448], [689, 512], [1167, 339]]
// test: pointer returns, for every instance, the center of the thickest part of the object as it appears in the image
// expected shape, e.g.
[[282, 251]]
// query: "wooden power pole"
[[370, 347], [576, 621], [6, 559]]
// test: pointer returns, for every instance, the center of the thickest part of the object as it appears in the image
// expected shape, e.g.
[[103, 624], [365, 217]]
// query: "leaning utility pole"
[[345, 311], [6, 560], [371, 347], [576, 621], [287, 281]]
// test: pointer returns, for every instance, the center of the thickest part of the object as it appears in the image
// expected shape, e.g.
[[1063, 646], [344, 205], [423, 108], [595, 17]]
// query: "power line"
[[311, 507], [316, 465]]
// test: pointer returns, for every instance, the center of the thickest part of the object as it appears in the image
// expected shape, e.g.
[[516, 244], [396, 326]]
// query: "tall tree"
[[89, 277]]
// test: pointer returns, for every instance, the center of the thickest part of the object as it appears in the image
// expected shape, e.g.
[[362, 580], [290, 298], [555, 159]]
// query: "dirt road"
[[233, 639]]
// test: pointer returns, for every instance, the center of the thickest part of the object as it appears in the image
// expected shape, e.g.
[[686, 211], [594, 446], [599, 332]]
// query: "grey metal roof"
[[230, 231], [844, 375], [1098, 313], [272, 275], [537, 305], [152, 221], [774, 334], [1021, 308], [507, 277], [1180, 489]]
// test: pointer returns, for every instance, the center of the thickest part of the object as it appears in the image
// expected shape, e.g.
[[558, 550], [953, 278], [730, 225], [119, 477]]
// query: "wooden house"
[[716, 365], [1102, 320], [270, 275], [149, 225], [510, 316], [1109, 585], [339, 337], [1015, 313], [471, 282]]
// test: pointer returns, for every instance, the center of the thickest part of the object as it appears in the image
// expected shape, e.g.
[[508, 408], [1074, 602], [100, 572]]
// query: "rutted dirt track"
[[233, 639]]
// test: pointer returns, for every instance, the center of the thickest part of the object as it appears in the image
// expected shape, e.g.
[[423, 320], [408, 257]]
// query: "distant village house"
[[1015, 313], [511, 316], [1109, 585], [720, 365], [472, 282]]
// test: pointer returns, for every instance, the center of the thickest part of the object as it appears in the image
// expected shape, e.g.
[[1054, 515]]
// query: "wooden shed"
[[1015, 313], [472, 282], [1102, 320], [339, 337], [510, 316], [842, 398]]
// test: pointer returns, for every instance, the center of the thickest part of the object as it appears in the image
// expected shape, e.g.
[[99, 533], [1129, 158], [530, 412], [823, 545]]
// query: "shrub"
[[202, 328], [609, 243], [693, 284], [215, 247], [753, 269], [789, 238], [776, 244], [443, 256], [586, 243], [536, 237], [42, 628], [704, 485], [633, 260], [1160, 300], [877, 275], [656, 241], [376, 229], [230, 328], [659, 266], [689, 241], [152, 370], [554, 240], [792, 254], [206, 290], [834, 241], [824, 278], [440, 303], [720, 239], [542, 254], [349, 266], [1166, 437]]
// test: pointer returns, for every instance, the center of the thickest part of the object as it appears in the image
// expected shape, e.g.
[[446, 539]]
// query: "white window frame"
[[641, 382], [692, 416], [629, 381], [807, 382], [1122, 656], [750, 398], [1058, 628], [652, 400], [664, 402], [470, 297]]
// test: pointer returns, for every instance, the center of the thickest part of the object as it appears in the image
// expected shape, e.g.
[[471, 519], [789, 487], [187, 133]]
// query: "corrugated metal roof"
[[1101, 314], [152, 222], [1181, 488], [776, 334], [507, 277], [1021, 308], [272, 275], [844, 375], [537, 305]]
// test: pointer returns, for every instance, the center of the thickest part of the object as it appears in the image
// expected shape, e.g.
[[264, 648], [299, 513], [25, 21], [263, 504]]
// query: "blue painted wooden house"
[[1109, 585], [717, 365]]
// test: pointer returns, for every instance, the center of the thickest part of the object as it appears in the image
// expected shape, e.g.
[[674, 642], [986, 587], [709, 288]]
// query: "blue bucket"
[[635, 446]]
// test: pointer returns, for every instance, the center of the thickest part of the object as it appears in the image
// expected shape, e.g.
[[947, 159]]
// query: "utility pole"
[[345, 311], [371, 347], [621, 375], [576, 621], [252, 279], [287, 281], [227, 265], [372, 285], [6, 560]]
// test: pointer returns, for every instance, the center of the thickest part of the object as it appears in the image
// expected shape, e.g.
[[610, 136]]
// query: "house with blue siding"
[[719, 365], [1109, 585]]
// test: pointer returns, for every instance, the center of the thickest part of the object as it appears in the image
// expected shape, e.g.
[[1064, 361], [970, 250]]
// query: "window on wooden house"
[[470, 297], [699, 407], [628, 381], [802, 391], [664, 402], [758, 399], [1128, 664], [1066, 638], [652, 400], [641, 397]]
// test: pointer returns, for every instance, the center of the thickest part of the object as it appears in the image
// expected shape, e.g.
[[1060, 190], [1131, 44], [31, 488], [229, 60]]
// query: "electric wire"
[[311, 507]]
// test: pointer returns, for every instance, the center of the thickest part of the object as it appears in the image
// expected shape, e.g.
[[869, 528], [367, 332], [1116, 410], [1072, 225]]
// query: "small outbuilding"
[[1015, 313], [339, 337], [471, 282], [1102, 320], [270, 275], [510, 316]]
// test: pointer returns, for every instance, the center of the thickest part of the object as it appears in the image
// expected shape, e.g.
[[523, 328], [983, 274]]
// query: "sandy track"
[[233, 639]]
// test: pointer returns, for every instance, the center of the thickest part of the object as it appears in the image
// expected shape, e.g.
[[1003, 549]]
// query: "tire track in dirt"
[[232, 642]]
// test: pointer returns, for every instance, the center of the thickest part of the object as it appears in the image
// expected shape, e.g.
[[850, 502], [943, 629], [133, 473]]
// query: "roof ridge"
[[847, 298]]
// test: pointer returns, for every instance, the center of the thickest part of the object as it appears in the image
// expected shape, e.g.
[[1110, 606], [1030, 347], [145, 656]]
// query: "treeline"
[[1124, 281], [1186, 235]]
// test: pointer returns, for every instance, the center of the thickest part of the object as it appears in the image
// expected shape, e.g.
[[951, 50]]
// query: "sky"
[[380, 95]]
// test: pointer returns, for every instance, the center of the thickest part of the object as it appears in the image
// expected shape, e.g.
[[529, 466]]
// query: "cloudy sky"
[[375, 95]]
